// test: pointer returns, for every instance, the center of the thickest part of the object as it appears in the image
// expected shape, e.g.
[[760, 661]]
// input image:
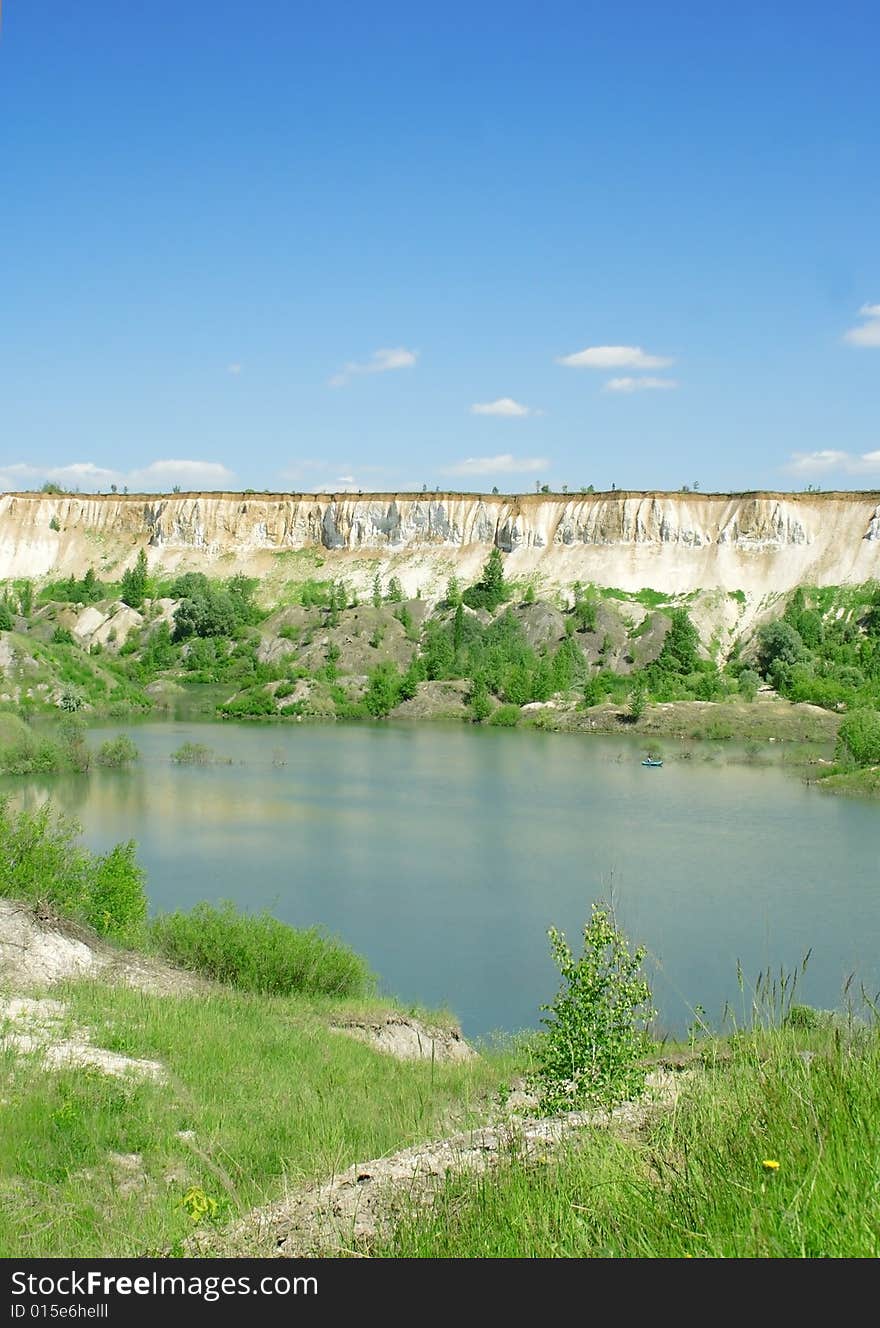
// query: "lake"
[[443, 854]]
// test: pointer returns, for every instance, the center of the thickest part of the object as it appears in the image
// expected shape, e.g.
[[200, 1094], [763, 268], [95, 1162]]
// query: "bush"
[[193, 753], [118, 752], [858, 738], [256, 952], [41, 863], [596, 1033], [506, 717], [250, 704], [383, 692], [62, 636], [749, 682]]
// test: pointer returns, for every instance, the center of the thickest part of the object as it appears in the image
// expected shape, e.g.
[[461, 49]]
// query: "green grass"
[[270, 1095], [695, 1183], [256, 952], [648, 598], [855, 783], [42, 863]]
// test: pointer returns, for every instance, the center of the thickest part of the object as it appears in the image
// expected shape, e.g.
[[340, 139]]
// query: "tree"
[[749, 682], [6, 622], [638, 699], [481, 705], [679, 654], [395, 591], [778, 642], [453, 592], [91, 590], [458, 628], [383, 692], [595, 1038], [493, 574], [377, 592], [26, 598], [134, 582]]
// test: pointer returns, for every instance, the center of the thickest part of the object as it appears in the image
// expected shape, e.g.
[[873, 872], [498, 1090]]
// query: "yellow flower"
[[770, 1164]]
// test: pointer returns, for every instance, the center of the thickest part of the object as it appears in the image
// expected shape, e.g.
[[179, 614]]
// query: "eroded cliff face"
[[763, 544]]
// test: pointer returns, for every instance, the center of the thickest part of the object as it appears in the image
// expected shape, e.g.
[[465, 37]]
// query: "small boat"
[[650, 760]]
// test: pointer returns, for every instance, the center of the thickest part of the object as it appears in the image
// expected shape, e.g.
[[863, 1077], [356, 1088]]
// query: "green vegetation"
[[118, 753], [826, 648], [255, 952], [858, 738], [26, 752], [768, 1151], [260, 1095], [590, 1054], [135, 583], [193, 753], [42, 863], [362, 660], [208, 610], [505, 717], [768, 1154], [491, 590]]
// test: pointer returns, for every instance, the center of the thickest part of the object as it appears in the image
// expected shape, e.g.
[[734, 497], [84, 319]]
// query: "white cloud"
[[614, 357], [821, 462], [188, 474], [85, 476], [505, 406], [647, 384], [868, 332], [504, 464], [381, 361], [234, 369]]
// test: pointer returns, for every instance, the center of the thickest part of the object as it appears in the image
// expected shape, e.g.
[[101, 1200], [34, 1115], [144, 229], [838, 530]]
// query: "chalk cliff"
[[760, 543]]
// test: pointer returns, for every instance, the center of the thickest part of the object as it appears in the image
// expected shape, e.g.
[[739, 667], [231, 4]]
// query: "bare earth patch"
[[40, 1027], [408, 1039], [39, 950]]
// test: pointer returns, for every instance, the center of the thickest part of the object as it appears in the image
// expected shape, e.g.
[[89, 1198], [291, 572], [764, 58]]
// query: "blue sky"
[[295, 245]]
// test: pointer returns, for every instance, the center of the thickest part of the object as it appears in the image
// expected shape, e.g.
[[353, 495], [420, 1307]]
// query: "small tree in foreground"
[[596, 1029]]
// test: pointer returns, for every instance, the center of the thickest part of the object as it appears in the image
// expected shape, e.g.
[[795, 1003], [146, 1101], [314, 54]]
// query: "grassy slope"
[[695, 1185], [268, 1092]]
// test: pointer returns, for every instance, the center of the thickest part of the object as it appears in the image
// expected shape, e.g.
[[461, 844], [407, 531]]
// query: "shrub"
[[62, 636], [41, 863], [253, 703], [858, 738], [256, 952], [193, 753], [719, 730], [383, 692], [596, 1030], [749, 682], [118, 752], [117, 904], [506, 717], [638, 700]]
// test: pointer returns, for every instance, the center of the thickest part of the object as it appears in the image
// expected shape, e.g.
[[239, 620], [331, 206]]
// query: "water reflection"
[[443, 854]]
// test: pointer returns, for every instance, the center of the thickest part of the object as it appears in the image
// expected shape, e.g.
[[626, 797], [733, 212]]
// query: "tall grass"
[[258, 1094], [256, 952], [770, 1154]]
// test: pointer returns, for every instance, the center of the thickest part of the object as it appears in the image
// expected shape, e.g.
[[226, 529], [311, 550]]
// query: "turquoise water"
[[443, 854]]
